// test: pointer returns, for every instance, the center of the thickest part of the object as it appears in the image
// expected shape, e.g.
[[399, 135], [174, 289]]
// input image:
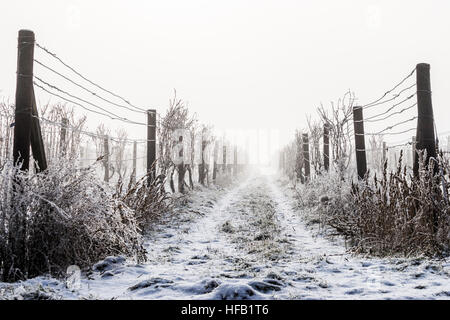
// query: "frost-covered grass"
[[58, 218], [190, 256], [385, 215]]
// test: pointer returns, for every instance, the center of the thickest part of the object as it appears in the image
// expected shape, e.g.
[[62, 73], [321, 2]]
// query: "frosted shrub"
[[58, 218], [148, 201], [401, 214], [388, 215]]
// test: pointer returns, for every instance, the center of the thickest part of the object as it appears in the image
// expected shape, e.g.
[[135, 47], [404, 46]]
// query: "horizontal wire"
[[111, 115], [110, 159], [383, 134], [86, 89], [395, 125], [388, 110], [395, 97], [86, 79], [381, 148], [88, 133], [370, 119], [389, 91], [400, 145]]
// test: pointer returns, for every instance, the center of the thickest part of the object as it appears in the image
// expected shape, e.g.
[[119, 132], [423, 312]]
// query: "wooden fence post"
[[62, 139], [224, 164], [360, 144], [133, 174], [106, 157], [299, 158], [21, 152], [202, 166], [37, 143], [306, 162], [151, 145], [326, 146], [24, 99], [425, 121], [181, 167], [215, 151]]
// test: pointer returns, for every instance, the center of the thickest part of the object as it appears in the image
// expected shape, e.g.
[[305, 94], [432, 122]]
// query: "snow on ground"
[[246, 242]]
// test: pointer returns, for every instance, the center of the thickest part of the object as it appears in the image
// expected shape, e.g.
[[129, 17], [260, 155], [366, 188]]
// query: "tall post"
[[299, 159], [215, 162], [37, 143], [24, 98], [106, 157], [360, 144], [181, 167], [133, 174], [306, 162], [224, 168], [425, 121], [62, 140], [151, 144], [384, 153], [202, 165], [326, 146]]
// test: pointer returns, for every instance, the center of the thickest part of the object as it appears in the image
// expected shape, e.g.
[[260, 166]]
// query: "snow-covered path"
[[248, 242]]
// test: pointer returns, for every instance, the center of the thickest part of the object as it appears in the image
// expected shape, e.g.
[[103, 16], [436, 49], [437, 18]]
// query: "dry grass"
[[147, 200], [62, 217], [397, 213], [391, 214]]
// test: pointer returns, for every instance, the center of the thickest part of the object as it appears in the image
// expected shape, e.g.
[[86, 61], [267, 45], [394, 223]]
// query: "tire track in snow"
[[252, 244], [321, 269]]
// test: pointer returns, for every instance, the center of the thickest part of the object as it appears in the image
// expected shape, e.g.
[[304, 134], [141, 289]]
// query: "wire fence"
[[65, 132], [65, 135], [383, 127]]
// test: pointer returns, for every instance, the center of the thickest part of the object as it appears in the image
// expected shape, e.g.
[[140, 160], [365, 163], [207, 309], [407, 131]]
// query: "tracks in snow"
[[249, 243]]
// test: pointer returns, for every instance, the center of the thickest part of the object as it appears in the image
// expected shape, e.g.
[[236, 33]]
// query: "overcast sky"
[[238, 63]]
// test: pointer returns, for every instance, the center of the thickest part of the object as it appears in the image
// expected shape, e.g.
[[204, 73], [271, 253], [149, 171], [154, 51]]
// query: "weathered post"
[[181, 167], [326, 146], [151, 145], [62, 140], [133, 174], [224, 168], [360, 144], [215, 162], [37, 144], [299, 158], [17, 229], [106, 157], [202, 165], [425, 121], [306, 162], [24, 99]]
